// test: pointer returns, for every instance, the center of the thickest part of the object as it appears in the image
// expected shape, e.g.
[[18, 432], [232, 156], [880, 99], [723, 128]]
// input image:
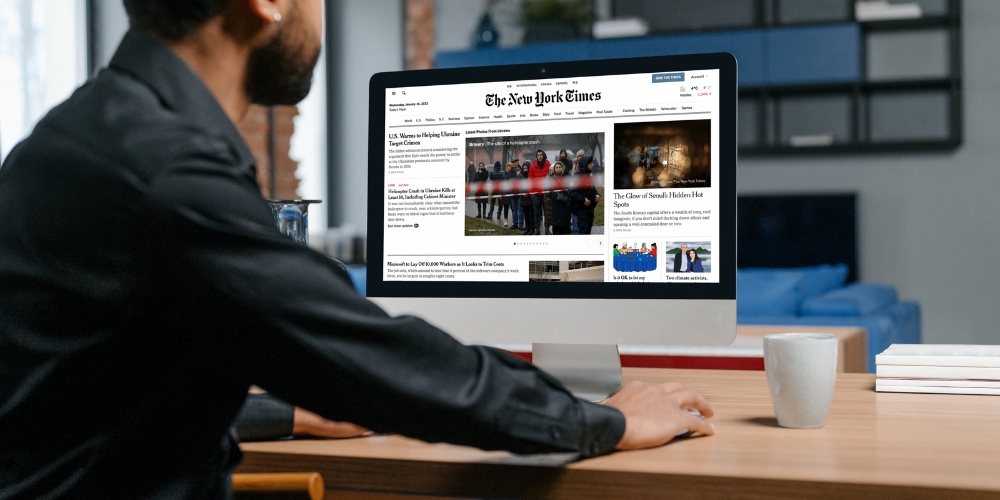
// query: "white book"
[[984, 391], [918, 382], [986, 356], [882, 10], [937, 372]]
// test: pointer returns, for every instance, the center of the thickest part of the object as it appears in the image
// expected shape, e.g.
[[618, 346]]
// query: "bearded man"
[[145, 288]]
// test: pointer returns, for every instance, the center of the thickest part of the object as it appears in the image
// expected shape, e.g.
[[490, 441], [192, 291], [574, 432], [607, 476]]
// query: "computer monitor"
[[638, 247]]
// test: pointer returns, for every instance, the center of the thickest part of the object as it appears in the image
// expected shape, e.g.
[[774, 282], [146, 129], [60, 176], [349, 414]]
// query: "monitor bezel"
[[725, 289]]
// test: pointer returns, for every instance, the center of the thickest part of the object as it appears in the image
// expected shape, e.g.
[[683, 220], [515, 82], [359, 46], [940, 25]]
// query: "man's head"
[[684, 247], [540, 156], [283, 37]]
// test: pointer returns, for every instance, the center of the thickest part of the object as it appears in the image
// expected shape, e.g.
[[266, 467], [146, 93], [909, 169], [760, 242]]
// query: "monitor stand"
[[590, 371]]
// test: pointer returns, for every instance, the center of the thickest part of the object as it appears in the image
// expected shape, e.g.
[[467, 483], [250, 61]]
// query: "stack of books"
[[939, 369]]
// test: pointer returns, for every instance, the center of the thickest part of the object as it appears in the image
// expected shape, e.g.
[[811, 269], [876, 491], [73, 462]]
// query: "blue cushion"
[[856, 299], [760, 293], [815, 279], [822, 278], [359, 276]]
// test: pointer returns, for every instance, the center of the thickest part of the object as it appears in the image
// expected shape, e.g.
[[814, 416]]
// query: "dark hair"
[[544, 156], [172, 19], [696, 257]]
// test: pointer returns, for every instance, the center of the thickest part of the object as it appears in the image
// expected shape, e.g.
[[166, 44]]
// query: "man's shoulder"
[[120, 121]]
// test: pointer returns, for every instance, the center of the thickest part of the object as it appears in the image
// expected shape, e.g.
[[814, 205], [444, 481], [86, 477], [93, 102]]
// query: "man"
[[680, 259], [539, 170], [576, 171], [495, 176], [470, 173], [525, 201], [145, 288], [480, 179], [585, 199]]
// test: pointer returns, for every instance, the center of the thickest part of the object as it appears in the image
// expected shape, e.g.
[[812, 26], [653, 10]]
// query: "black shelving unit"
[[892, 108]]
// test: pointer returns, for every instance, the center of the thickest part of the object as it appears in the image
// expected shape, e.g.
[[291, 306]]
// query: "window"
[[42, 60]]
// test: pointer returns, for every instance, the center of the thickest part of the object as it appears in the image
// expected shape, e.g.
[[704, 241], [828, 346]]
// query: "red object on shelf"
[[692, 362]]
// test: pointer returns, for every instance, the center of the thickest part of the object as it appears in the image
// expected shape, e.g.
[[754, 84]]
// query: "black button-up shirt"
[[144, 287]]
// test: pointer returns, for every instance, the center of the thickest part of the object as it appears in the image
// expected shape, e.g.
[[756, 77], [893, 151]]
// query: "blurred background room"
[[869, 131]]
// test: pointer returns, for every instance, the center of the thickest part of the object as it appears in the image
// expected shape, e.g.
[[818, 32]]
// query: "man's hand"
[[656, 413], [310, 424]]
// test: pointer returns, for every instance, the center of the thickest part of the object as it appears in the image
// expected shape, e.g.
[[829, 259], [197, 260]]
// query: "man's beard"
[[280, 71]]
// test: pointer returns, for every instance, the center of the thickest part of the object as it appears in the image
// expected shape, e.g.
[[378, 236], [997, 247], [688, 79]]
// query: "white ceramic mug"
[[801, 372]]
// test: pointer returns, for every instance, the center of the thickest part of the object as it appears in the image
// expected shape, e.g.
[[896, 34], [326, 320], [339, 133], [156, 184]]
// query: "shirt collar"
[[179, 88]]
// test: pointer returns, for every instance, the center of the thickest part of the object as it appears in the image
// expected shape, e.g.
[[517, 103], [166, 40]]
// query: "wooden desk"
[[875, 445]]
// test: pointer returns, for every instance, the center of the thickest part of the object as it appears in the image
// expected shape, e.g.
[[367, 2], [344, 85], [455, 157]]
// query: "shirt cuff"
[[605, 428], [264, 418]]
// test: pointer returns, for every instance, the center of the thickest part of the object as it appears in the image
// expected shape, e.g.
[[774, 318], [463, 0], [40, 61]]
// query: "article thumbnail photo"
[[566, 270], [688, 257], [654, 155], [634, 258], [534, 185]]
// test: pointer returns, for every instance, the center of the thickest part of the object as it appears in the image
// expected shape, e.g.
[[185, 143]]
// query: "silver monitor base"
[[590, 371]]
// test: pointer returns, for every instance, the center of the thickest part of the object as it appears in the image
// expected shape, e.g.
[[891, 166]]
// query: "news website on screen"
[[601, 179]]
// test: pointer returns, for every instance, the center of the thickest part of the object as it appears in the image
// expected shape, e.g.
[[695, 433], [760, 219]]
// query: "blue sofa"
[[817, 296]]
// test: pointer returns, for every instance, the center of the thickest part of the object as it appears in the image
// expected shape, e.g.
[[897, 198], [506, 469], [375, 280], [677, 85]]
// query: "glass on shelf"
[[292, 218]]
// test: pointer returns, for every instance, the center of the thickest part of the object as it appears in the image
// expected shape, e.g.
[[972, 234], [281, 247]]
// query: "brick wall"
[[254, 131], [419, 37]]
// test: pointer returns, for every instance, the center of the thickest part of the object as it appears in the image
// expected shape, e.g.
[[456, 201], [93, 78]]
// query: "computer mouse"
[[688, 433]]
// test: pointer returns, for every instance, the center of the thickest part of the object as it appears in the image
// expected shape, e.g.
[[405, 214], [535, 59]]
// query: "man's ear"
[[268, 11]]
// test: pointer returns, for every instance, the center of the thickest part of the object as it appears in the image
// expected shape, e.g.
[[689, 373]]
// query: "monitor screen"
[[591, 180]]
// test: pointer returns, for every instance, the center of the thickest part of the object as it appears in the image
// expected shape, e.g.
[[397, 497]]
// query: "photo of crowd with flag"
[[509, 192]]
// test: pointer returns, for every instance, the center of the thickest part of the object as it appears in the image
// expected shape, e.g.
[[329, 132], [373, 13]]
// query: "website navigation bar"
[[566, 114]]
